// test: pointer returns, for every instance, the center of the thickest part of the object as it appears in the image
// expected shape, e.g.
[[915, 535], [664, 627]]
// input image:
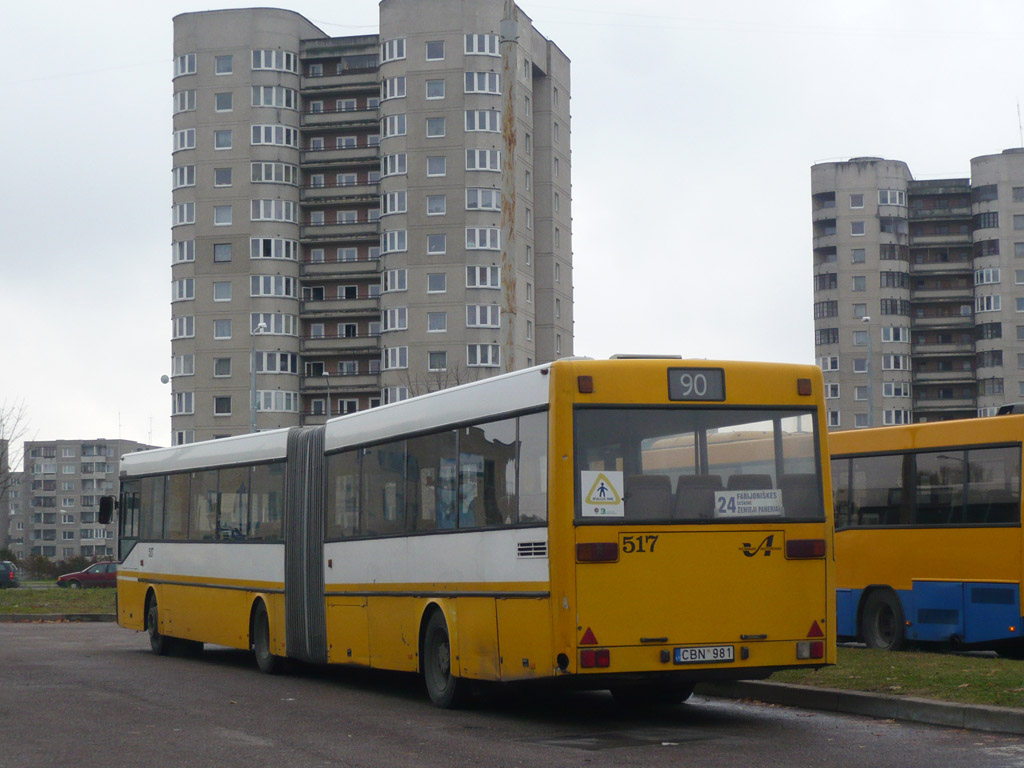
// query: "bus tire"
[[445, 689], [651, 695], [268, 663], [882, 622], [159, 643]]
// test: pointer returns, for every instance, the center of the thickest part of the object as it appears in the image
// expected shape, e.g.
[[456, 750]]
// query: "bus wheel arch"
[[158, 642], [881, 620], [446, 689], [259, 639]]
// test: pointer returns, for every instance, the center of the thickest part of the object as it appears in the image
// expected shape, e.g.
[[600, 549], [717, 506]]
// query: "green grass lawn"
[[944, 676], [56, 600]]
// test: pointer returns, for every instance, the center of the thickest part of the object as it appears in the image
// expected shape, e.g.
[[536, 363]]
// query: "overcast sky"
[[694, 126]]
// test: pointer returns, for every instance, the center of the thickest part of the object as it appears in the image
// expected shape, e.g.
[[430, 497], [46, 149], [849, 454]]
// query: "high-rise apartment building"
[[357, 220], [918, 290], [53, 508]]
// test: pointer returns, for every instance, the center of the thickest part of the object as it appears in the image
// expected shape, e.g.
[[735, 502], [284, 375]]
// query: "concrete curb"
[[23, 618], [973, 717]]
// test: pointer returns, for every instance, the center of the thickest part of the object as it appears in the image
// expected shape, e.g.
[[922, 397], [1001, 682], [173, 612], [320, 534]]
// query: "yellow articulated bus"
[[635, 525], [928, 534]]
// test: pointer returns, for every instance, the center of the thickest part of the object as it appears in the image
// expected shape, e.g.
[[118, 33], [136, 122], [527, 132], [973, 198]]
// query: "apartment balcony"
[[332, 231], [339, 385], [340, 157], [312, 309], [964, 294], [948, 321], [939, 214], [942, 268], [340, 270], [950, 239], [346, 193], [348, 346], [943, 350], [356, 80], [341, 118], [944, 377], [958, 408]]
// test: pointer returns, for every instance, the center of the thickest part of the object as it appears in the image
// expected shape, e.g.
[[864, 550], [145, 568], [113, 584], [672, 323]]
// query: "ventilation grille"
[[532, 549]]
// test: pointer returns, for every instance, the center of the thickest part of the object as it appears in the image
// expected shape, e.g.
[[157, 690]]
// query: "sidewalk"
[[970, 716]]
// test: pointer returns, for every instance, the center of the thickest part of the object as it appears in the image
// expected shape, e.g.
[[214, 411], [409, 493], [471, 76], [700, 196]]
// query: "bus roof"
[[932, 434], [494, 396], [241, 449]]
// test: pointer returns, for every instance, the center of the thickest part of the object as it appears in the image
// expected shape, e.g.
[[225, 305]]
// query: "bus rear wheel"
[[267, 662], [445, 689], [882, 623]]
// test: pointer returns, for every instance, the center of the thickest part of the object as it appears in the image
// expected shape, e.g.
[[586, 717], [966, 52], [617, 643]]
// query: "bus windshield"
[[690, 465]]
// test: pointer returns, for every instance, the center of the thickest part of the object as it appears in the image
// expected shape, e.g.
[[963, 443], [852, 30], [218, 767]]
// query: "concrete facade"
[[367, 218], [53, 509], [916, 297]]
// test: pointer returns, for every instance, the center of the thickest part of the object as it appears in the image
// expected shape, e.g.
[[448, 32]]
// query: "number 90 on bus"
[[696, 384]]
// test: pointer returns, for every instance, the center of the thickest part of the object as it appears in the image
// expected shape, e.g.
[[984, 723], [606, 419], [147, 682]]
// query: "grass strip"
[[56, 600], [965, 679]]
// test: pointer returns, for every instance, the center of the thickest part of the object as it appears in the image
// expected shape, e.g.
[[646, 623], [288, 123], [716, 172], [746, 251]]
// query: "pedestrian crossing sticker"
[[602, 497]]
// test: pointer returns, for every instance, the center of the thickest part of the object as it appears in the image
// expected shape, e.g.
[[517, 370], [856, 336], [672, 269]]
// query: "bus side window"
[[532, 466]]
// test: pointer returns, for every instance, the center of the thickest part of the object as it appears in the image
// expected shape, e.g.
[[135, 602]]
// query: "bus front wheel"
[[159, 643], [267, 662], [882, 623], [445, 689]]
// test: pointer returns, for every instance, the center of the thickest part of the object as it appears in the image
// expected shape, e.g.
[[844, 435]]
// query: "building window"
[[860, 365], [857, 201], [483, 82], [483, 199], [276, 96], [437, 322], [277, 135], [483, 277], [860, 283], [436, 244], [990, 303], [185, 139], [222, 405], [483, 45], [435, 166], [483, 160], [182, 403], [222, 177], [275, 173], [986, 220], [274, 210], [222, 139], [395, 319], [392, 50], [281, 61], [989, 276], [857, 228], [483, 120], [185, 65], [396, 357], [436, 205], [183, 290], [183, 213], [183, 176], [222, 65], [395, 280], [221, 367], [183, 365], [437, 361], [435, 89], [892, 197], [435, 127], [393, 202], [184, 101], [435, 50], [223, 102], [483, 355], [222, 329], [222, 291], [860, 310], [221, 215], [483, 316], [183, 327], [393, 240], [392, 88], [393, 165], [277, 401], [183, 251], [483, 238], [273, 285], [437, 282]]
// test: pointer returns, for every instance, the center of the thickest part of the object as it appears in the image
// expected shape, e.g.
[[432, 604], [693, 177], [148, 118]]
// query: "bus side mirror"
[[107, 507]]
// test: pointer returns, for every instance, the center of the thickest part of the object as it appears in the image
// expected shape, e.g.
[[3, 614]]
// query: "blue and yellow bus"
[[928, 534]]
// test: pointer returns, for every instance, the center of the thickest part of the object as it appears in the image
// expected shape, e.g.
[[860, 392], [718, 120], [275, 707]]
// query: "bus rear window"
[[689, 465]]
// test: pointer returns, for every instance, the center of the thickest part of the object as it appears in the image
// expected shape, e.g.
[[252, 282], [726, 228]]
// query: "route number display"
[[696, 384]]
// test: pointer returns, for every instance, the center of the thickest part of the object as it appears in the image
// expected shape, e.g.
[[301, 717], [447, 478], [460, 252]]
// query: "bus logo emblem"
[[766, 544]]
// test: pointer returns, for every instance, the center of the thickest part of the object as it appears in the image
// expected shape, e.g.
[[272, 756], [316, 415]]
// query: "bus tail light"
[[595, 657], [803, 549], [810, 649], [597, 552]]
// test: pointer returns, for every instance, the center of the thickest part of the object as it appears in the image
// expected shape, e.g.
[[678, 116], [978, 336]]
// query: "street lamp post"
[[871, 389], [327, 379], [252, 372]]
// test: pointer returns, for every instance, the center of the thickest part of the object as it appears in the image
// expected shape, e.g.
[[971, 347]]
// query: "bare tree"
[[431, 381], [13, 428]]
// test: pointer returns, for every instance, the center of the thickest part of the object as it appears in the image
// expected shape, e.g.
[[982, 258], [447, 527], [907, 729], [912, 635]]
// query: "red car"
[[98, 575]]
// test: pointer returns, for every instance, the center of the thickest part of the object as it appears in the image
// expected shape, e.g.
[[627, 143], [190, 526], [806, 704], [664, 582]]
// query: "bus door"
[[683, 517]]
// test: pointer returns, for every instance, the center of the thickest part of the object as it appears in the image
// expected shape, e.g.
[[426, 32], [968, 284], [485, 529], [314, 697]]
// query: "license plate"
[[704, 654]]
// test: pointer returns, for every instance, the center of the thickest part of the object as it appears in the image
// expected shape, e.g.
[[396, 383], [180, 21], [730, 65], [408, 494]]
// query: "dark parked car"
[[8, 574], [98, 575]]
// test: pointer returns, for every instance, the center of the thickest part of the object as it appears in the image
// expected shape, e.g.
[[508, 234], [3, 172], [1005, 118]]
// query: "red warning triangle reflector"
[[588, 638], [815, 631]]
